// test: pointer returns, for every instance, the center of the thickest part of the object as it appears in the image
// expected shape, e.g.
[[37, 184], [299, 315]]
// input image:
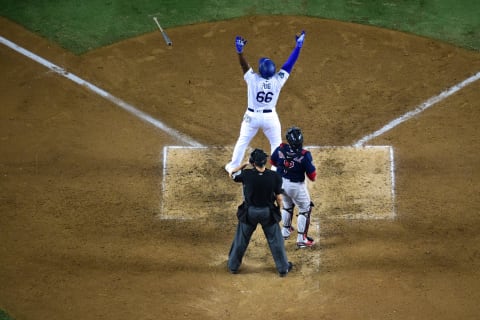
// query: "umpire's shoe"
[[290, 266]]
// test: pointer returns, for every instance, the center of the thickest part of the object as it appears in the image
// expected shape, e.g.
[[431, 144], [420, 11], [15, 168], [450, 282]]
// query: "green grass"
[[4, 316], [80, 26]]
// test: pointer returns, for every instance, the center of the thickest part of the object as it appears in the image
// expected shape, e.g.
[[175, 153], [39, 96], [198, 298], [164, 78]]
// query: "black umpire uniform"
[[261, 189]]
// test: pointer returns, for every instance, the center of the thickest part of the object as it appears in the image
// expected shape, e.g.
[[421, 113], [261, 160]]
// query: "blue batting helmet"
[[266, 67]]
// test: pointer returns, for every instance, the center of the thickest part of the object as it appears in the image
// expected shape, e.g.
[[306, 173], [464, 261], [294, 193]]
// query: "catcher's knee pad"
[[305, 213]]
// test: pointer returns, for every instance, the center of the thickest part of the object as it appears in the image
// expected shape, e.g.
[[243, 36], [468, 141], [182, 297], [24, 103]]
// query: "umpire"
[[261, 189]]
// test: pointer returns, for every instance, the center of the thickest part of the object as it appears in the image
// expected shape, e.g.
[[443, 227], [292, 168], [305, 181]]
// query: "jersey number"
[[264, 97]]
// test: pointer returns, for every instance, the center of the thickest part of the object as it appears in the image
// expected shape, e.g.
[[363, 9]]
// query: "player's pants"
[[296, 193], [273, 234], [252, 122]]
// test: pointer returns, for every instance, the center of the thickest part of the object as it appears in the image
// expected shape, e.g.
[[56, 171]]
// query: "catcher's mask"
[[295, 137], [266, 68], [258, 157]]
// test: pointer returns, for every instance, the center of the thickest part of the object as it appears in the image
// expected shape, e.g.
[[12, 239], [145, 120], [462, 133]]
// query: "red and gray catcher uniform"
[[294, 165]]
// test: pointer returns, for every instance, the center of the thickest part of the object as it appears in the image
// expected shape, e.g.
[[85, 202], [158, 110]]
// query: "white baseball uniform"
[[261, 113]]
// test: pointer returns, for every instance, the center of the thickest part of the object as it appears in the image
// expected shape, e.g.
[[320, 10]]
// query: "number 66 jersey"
[[263, 93]]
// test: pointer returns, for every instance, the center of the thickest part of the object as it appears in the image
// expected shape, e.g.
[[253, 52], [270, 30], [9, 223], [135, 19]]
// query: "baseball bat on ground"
[[164, 34]]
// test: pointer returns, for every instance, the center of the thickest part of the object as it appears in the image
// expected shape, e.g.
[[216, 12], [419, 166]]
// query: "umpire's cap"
[[258, 157]]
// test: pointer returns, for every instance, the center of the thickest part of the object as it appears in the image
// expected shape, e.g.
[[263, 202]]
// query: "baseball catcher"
[[293, 164]]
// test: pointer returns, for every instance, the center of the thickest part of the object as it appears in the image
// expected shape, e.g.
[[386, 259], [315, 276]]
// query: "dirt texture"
[[81, 178]]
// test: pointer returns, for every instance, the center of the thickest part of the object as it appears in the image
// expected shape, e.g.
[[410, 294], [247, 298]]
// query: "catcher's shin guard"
[[303, 240], [287, 215], [304, 221]]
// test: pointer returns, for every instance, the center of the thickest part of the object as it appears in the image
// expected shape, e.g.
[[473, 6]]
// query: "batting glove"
[[300, 38], [240, 43]]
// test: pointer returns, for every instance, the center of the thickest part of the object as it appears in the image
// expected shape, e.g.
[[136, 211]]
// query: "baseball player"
[[263, 90], [293, 164]]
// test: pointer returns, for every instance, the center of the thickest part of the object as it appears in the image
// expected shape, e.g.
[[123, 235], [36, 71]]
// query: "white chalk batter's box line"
[[392, 215]]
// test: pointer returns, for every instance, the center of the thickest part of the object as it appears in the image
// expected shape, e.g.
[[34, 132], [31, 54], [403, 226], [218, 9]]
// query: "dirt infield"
[[353, 183], [81, 178]]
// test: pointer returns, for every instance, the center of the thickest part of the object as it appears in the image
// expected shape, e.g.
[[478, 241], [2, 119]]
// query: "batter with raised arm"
[[263, 90]]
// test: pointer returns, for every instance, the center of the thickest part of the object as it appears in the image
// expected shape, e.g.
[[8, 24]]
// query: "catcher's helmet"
[[266, 67], [295, 137], [258, 157]]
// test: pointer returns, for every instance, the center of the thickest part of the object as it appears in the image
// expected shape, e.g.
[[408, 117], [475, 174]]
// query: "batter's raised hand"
[[240, 43], [300, 38]]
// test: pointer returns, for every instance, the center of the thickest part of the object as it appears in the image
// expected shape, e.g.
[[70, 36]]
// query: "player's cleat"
[[306, 243], [227, 168], [286, 231], [290, 266]]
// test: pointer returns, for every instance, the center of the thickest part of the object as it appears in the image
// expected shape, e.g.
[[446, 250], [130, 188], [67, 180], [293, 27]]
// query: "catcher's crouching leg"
[[287, 215], [303, 240]]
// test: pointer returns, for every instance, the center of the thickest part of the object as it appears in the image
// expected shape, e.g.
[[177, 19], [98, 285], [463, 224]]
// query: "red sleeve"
[[312, 176]]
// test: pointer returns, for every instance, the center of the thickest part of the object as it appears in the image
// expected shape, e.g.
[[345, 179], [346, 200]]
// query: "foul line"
[[122, 104], [427, 104]]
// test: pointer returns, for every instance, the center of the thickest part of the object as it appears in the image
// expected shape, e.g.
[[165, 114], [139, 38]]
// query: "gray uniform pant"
[[273, 234]]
